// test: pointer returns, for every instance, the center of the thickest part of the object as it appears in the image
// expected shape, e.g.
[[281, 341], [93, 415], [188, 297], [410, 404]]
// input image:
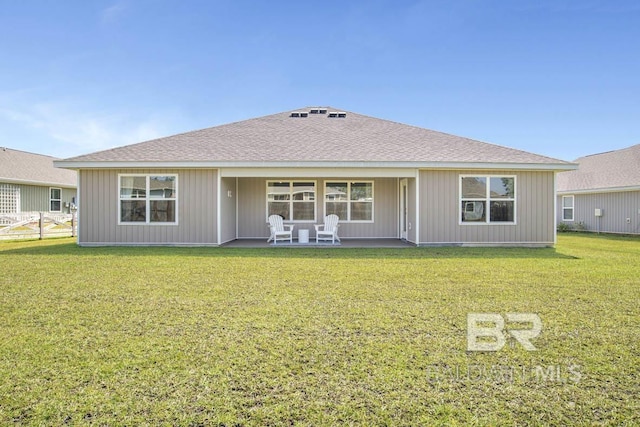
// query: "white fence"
[[31, 225]]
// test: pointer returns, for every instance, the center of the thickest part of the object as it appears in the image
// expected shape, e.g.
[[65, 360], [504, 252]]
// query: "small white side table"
[[303, 235]]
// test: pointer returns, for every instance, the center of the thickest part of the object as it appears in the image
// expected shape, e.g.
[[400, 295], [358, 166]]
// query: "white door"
[[404, 209]]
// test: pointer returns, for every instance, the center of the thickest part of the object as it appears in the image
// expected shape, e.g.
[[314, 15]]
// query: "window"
[[55, 200], [148, 199], [351, 201], [567, 208], [487, 199], [292, 200]]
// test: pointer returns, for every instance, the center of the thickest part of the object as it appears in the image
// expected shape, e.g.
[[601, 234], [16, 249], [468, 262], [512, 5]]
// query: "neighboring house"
[[30, 183], [603, 194], [384, 180]]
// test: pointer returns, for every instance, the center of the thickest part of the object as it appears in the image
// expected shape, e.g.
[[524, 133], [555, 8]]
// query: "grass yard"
[[283, 336]]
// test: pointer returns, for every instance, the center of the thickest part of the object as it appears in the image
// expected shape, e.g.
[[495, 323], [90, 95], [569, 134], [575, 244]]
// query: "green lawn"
[[215, 336]]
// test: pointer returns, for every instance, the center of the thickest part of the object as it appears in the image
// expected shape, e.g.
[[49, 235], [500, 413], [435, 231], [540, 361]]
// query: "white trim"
[[349, 201], [55, 200], [487, 199], [267, 172], [573, 208], [236, 191], [488, 244], [177, 244], [555, 208], [70, 164], [403, 215], [36, 183], [602, 190], [148, 199], [78, 228], [291, 201], [219, 209], [418, 219]]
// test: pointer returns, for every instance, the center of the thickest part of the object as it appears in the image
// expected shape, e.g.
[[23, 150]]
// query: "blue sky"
[[555, 77]]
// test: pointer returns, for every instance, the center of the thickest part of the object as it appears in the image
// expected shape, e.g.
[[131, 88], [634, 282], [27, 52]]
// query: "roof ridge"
[[28, 152], [610, 151]]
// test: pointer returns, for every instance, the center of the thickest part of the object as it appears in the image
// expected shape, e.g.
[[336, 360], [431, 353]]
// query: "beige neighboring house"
[[30, 183], [384, 180], [603, 194]]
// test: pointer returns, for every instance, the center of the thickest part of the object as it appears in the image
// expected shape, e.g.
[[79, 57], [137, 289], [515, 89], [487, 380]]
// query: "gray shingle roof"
[[613, 169], [315, 138], [29, 168]]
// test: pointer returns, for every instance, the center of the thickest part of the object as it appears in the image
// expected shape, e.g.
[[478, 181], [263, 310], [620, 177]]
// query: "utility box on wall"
[[599, 212]]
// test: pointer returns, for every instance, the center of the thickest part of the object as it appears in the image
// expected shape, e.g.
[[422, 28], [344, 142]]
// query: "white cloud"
[[76, 132], [113, 12]]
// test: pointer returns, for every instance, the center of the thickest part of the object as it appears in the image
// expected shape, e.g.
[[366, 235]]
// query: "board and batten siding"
[[252, 205], [616, 208], [98, 210], [440, 211], [228, 196], [35, 198]]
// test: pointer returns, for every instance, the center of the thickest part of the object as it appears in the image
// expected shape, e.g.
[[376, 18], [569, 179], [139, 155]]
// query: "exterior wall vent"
[[299, 114]]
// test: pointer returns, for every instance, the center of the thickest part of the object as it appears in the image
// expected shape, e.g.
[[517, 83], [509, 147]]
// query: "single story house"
[[30, 183], [385, 180], [603, 194]]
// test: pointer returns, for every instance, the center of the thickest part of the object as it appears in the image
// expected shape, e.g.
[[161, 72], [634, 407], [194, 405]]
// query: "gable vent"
[[318, 111], [299, 114], [337, 114]]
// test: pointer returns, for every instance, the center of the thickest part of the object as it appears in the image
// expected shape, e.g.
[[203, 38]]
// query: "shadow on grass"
[[71, 249]]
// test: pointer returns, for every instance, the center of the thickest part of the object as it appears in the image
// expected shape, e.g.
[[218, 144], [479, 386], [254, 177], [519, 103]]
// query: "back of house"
[[383, 179]]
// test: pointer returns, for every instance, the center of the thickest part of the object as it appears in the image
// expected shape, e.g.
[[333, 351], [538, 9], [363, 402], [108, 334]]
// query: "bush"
[[563, 227]]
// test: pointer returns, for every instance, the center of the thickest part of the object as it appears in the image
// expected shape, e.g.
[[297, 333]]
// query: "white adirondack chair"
[[328, 230], [278, 231]]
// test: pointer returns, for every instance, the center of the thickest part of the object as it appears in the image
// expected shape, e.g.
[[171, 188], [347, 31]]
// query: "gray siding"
[[439, 210], [228, 209], [98, 211], [616, 208], [252, 221], [34, 198]]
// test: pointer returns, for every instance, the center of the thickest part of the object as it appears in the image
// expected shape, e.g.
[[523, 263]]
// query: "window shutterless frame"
[[294, 200], [148, 199], [568, 205], [344, 195], [475, 204], [55, 199]]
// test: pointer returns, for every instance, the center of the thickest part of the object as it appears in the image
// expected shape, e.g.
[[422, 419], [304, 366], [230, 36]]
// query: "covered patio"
[[345, 243]]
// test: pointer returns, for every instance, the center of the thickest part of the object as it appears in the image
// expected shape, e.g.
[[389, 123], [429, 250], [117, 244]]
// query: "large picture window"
[[55, 200], [148, 199], [292, 200], [567, 208], [487, 199], [351, 201]]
